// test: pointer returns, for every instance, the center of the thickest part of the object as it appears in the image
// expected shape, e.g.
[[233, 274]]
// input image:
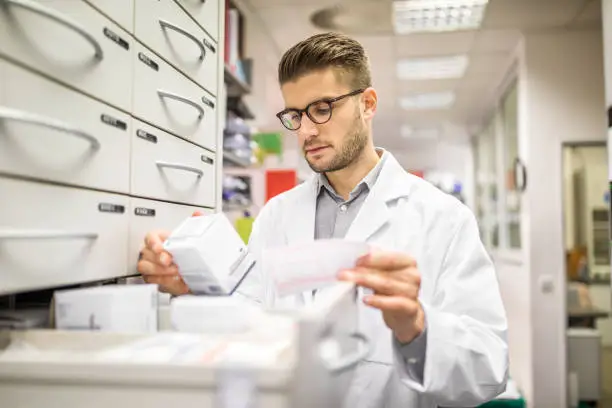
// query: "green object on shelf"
[[271, 143], [244, 226]]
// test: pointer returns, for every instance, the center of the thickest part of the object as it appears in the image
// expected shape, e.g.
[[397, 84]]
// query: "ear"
[[370, 103]]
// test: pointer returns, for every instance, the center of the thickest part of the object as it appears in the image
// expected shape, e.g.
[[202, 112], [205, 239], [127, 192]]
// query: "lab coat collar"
[[393, 183]]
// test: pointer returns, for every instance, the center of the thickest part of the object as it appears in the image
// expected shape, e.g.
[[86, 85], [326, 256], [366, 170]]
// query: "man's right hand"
[[156, 265]]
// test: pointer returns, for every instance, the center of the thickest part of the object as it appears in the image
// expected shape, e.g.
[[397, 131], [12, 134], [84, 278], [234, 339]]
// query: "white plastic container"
[[114, 308], [98, 370]]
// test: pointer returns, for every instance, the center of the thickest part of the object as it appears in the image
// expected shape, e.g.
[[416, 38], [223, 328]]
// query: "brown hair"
[[328, 50]]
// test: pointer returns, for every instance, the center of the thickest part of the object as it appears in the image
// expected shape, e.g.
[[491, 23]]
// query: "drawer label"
[[144, 212], [111, 208], [146, 136], [209, 45], [207, 159], [109, 120], [148, 61], [208, 102], [116, 39]]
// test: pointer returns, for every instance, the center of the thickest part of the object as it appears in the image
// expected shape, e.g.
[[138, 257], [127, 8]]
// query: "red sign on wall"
[[279, 181]]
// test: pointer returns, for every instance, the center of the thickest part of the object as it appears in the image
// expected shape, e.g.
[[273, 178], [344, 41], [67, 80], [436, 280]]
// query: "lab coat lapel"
[[302, 220], [393, 183], [302, 223]]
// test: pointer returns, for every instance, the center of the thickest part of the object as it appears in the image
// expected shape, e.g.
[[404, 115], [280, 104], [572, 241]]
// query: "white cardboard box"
[[210, 255], [116, 308]]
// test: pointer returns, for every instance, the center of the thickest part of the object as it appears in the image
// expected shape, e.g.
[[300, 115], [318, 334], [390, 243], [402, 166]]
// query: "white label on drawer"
[[116, 39], [144, 212], [114, 122], [148, 61], [146, 136], [111, 208]]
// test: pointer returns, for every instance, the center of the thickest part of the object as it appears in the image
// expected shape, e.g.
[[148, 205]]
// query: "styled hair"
[[323, 51]]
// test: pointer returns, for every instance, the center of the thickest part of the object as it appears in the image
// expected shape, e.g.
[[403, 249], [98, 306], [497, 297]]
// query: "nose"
[[307, 128]]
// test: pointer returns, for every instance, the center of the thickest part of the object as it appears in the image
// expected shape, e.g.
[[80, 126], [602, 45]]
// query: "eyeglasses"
[[319, 112]]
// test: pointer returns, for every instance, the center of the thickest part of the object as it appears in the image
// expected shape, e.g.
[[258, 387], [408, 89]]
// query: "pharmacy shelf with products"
[[237, 143]]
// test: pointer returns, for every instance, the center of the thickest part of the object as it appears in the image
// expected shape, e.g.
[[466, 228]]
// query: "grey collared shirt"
[[333, 218], [334, 214]]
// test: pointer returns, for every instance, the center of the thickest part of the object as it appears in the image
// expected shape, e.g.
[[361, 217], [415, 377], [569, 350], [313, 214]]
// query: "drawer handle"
[[170, 95], [168, 25], [179, 166], [59, 18], [33, 119], [43, 234]]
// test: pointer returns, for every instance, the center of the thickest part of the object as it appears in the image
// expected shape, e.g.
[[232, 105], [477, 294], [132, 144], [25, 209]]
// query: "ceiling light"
[[410, 16], [432, 68], [437, 100], [408, 132]]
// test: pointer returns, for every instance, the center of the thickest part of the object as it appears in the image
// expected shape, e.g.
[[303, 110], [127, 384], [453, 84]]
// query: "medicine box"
[[211, 257], [115, 308]]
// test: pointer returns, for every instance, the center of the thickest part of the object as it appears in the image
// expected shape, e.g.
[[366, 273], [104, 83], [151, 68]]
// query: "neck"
[[344, 181]]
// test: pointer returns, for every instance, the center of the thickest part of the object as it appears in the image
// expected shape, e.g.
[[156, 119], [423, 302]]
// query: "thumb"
[[197, 214]]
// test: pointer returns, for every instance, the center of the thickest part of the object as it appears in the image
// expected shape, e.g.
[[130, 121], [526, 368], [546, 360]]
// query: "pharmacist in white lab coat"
[[430, 298]]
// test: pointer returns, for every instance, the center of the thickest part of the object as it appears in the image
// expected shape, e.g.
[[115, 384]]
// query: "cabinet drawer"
[[165, 28], [168, 168], [50, 132], [168, 99], [52, 236], [120, 11], [71, 42], [150, 215], [205, 13]]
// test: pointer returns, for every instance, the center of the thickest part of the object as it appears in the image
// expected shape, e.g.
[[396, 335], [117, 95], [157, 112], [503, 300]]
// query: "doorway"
[[586, 203]]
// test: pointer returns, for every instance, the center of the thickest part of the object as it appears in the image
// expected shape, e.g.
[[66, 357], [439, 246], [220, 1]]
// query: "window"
[[498, 201], [512, 199], [486, 185]]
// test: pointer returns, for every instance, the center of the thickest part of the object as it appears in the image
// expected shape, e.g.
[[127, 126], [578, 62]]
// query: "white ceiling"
[[490, 49]]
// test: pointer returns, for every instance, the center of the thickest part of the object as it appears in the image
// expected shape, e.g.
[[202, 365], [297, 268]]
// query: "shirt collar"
[[367, 182]]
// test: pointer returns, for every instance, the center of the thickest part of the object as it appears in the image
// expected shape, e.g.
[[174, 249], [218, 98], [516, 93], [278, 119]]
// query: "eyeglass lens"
[[319, 112]]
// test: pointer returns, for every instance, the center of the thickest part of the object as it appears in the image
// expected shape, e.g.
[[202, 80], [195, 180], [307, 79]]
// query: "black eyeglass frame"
[[329, 102]]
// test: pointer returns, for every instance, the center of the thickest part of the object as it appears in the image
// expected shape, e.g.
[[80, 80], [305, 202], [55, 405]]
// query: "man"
[[430, 300]]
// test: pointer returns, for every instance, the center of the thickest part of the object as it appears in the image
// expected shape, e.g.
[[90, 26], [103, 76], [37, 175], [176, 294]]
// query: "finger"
[[155, 240], [395, 304], [164, 259], [381, 283], [386, 260], [148, 268], [409, 275], [197, 214]]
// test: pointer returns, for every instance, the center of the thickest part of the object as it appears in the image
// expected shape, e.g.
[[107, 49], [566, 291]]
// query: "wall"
[[561, 100], [453, 153]]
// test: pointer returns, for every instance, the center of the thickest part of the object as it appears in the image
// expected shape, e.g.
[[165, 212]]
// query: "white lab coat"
[[467, 355]]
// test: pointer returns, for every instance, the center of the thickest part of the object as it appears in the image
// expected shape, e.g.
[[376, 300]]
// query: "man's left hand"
[[395, 281]]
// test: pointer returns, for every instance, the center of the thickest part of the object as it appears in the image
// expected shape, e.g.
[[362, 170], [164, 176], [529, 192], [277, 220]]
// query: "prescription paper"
[[310, 266]]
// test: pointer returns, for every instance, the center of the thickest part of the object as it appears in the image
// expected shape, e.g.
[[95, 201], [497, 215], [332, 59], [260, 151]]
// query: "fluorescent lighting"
[[408, 132], [410, 16], [437, 100], [432, 68]]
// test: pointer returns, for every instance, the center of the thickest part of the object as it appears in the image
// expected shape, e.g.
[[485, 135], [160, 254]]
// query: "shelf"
[[235, 86], [236, 207], [237, 105], [235, 160]]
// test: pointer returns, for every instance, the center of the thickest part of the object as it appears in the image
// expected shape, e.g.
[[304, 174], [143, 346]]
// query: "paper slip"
[[306, 267]]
